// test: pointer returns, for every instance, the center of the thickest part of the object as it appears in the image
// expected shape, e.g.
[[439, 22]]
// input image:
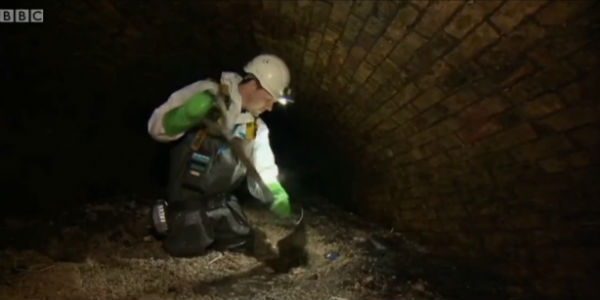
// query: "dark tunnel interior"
[[87, 88], [468, 128]]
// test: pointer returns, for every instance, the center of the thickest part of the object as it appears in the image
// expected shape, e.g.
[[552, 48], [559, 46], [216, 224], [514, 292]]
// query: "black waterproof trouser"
[[202, 212]]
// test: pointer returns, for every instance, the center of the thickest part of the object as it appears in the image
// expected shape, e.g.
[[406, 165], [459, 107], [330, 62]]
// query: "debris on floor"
[[107, 251]]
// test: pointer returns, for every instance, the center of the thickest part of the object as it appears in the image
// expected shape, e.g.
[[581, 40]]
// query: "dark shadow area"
[[306, 155], [452, 278], [79, 88]]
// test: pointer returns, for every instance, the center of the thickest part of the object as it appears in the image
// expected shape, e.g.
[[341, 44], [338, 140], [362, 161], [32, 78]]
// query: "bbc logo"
[[21, 16]]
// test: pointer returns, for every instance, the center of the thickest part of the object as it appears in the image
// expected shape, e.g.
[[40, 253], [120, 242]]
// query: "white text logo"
[[21, 16]]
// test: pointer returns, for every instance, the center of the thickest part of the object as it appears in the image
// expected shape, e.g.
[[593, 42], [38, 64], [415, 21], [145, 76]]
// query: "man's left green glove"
[[281, 205]]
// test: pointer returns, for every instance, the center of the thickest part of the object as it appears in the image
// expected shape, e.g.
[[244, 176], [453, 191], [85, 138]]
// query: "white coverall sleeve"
[[264, 160], [178, 98]]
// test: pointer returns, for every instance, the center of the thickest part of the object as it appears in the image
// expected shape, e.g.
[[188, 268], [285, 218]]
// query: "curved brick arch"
[[476, 124]]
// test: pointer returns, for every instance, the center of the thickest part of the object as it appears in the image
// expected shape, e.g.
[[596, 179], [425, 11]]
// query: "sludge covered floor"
[[108, 251]]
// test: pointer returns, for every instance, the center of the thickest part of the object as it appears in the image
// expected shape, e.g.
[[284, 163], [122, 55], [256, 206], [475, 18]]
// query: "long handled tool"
[[237, 146]]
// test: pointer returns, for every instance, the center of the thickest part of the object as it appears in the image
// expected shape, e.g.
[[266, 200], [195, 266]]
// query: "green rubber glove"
[[184, 117], [281, 205]]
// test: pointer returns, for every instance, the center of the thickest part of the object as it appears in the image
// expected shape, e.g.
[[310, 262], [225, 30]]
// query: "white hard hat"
[[273, 75]]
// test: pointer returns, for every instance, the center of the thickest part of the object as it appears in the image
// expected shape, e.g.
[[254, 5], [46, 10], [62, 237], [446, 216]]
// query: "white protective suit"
[[260, 148]]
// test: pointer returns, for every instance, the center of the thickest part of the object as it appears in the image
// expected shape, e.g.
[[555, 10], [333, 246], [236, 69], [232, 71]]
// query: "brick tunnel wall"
[[472, 126]]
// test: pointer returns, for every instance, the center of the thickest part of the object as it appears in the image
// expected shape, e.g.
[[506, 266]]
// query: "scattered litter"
[[368, 280], [332, 256], [359, 239], [148, 238], [296, 223], [377, 244], [216, 259]]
